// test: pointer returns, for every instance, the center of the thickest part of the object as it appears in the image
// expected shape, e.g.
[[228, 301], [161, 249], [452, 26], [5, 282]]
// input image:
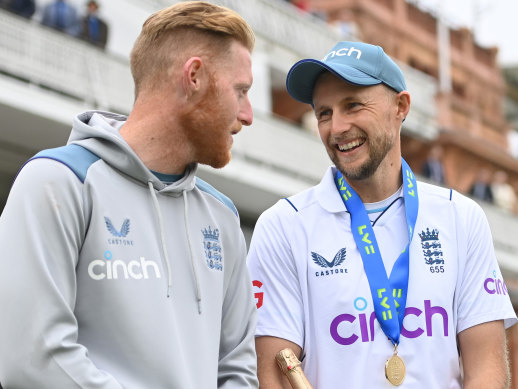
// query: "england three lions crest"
[[212, 248], [431, 246]]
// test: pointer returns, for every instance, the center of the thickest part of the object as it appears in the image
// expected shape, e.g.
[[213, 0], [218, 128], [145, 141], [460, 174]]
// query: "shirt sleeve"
[[482, 294], [41, 232], [276, 283]]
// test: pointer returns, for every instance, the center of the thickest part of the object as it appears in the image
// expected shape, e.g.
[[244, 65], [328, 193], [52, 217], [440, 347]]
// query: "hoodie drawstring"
[[194, 272], [165, 256]]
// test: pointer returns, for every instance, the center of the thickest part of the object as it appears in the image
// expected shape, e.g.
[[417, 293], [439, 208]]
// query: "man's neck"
[[379, 186], [159, 146]]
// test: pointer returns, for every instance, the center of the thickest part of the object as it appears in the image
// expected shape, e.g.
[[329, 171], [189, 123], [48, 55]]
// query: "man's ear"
[[403, 104], [192, 75]]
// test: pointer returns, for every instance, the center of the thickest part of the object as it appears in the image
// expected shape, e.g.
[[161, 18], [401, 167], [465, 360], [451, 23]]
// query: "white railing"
[[64, 64]]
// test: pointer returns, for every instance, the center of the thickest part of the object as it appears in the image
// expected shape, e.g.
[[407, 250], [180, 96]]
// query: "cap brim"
[[301, 79]]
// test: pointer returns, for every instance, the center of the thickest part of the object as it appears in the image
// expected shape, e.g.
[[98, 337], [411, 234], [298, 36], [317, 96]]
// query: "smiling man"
[[121, 268], [373, 279]]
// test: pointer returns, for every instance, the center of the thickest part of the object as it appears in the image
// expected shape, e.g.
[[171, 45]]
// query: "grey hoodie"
[[111, 279]]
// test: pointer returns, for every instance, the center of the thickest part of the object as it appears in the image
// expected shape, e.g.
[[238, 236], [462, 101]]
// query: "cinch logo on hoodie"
[[109, 269]]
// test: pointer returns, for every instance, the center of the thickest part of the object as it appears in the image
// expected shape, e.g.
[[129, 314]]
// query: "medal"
[[389, 293], [395, 369]]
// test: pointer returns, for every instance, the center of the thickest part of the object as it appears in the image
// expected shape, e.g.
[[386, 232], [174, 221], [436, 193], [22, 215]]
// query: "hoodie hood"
[[98, 132]]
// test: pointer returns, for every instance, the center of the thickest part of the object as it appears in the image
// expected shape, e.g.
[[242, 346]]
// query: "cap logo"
[[356, 63], [342, 52]]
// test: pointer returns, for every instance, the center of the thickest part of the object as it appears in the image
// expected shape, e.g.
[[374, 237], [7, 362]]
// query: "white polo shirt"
[[312, 289]]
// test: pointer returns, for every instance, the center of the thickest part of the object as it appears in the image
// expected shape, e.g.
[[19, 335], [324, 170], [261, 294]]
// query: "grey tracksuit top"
[[111, 279]]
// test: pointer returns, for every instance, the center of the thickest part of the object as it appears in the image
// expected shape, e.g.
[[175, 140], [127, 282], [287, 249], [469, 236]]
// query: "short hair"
[[191, 28]]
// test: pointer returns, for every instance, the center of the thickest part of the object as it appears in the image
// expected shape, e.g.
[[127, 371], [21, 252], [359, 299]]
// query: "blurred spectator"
[[62, 16], [23, 8], [93, 28], [481, 189], [433, 168], [503, 193]]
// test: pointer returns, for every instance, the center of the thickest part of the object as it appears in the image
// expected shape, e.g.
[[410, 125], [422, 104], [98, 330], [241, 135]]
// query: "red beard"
[[208, 127]]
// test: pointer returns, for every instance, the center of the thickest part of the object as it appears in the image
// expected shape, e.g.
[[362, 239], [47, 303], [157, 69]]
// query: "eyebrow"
[[244, 84], [343, 100]]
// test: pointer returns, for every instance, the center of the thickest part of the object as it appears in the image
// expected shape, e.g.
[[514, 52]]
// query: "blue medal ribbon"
[[388, 293]]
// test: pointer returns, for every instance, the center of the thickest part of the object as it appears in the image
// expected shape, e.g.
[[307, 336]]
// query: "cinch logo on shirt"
[[495, 285], [341, 324], [113, 269]]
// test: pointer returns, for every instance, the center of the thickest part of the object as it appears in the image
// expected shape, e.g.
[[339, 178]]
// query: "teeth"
[[350, 145]]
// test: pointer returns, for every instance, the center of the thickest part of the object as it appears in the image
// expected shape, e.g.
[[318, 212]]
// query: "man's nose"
[[340, 123], [246, 115]]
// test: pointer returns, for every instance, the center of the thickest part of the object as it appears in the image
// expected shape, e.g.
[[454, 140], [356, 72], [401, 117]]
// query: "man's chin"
[[357, 173], [220, 162]]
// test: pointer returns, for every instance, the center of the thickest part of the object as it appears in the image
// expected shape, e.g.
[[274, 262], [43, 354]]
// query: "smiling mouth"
[[351, 145]]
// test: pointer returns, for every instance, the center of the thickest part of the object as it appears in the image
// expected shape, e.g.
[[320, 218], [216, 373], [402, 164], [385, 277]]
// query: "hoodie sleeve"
[[41, 232], [237, 359]]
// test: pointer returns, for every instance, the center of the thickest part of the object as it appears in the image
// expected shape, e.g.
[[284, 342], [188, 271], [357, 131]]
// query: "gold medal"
[[395, 369]]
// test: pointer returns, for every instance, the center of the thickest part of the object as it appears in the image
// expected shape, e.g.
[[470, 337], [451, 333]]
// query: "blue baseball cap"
[[357, 63]]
